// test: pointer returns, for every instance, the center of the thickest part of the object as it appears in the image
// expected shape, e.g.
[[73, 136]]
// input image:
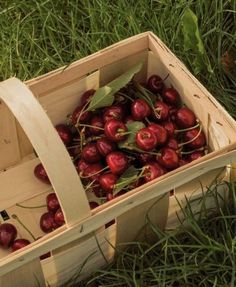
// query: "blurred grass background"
[[38, 36]]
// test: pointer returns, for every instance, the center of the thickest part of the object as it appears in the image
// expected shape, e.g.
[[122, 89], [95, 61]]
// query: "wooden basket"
[[28, 113]]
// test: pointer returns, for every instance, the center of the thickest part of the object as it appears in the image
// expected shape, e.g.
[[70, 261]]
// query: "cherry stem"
[[165, 77], [22, 224], [189, 152], [30, 207], [88, 186], [147, 120], [139, 150], [193, 139], [101, 170], [188, 129], [126, 96], [90, 126]]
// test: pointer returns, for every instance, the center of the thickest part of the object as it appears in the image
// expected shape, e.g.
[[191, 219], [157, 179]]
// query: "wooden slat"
[[115, 208], [49, 148], [28, 275]]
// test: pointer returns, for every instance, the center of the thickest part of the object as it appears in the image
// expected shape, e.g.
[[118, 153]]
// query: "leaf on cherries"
[[104, 96], [128, 177], [133, 128]]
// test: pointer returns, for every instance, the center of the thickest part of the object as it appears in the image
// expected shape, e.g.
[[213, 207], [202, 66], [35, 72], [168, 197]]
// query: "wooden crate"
[[29, 111]]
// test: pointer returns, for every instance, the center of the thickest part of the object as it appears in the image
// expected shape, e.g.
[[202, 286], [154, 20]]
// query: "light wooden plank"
[[113, 209], [49, 148], [28, 275]]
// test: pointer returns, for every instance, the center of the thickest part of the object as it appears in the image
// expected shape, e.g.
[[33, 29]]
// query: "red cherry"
[[140, 109], [47, 222], [185, 118], [96, 121], [105, 146], [8, 234], [145, 158], [93, 171], [93, 204], [59, 217], [171, 96], [170, 128], [85, 98], [52, 202], [155, 84], [168, 158], [109, 196], [90, 153], [19, 243], [83, 116], [64, 133], [41, 173], [152, 170], [114, 130], [195, 155], [114, 112], [117, 162], [45, 256], [107, 181], [183, 162], [173, 144], [81, 165], [198, 142], [146, 139], [161, 111], [160, 133]]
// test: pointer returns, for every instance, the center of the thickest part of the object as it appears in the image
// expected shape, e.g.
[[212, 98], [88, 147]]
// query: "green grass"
[[38, 36]]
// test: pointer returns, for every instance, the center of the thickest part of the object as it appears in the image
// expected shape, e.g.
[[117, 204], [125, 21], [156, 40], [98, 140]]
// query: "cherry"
[[19, 243], [96, 121], [171, 96], [85, 98], [170, 128], [93, 204], [146, 139], [155, 84], [152, 170], [140, 109], [183, 162], [114, 112], [93, 171], [114, 130], [161, 111], [107, 181], [168, 158], [8, 234], [196, 137], [81, 165], [41, 173], [99, 192], [90, 153], [117, 162], [47, 222], [105, 146], [172, 143], [46, 255], [195, 155], [59, 217], [160, 133], [52, 202], [83, 116], [64, 133], [185, 118], [145, 158]]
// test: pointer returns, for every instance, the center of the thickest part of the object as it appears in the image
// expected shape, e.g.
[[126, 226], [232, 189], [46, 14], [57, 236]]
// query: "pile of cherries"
[[104, 143]]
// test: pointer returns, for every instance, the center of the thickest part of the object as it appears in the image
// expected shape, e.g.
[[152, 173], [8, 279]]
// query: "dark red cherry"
[[117, 162], [170, 128], [168, 158], [146, 139], [114, 112], [145, 158], [64, 133], [41, 174], [128, 119], [195, 155], [90, 153], [81, 165], [185, 118], [19, 243], [183, 162], [114, 130], [80, 115], [96, 121], [152, 170], [140, 109], [85, 98], [52, 202], [93, 204], [197, 138], [107, 181], [93, 171], [155, 84], [47, 222], [172, 143], [161, 111], [171, 96], [105, 146], [59, 217], [8, 234], [160, 133]]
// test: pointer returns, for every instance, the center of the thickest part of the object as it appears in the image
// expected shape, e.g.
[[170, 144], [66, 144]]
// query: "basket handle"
[[49, 147]]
